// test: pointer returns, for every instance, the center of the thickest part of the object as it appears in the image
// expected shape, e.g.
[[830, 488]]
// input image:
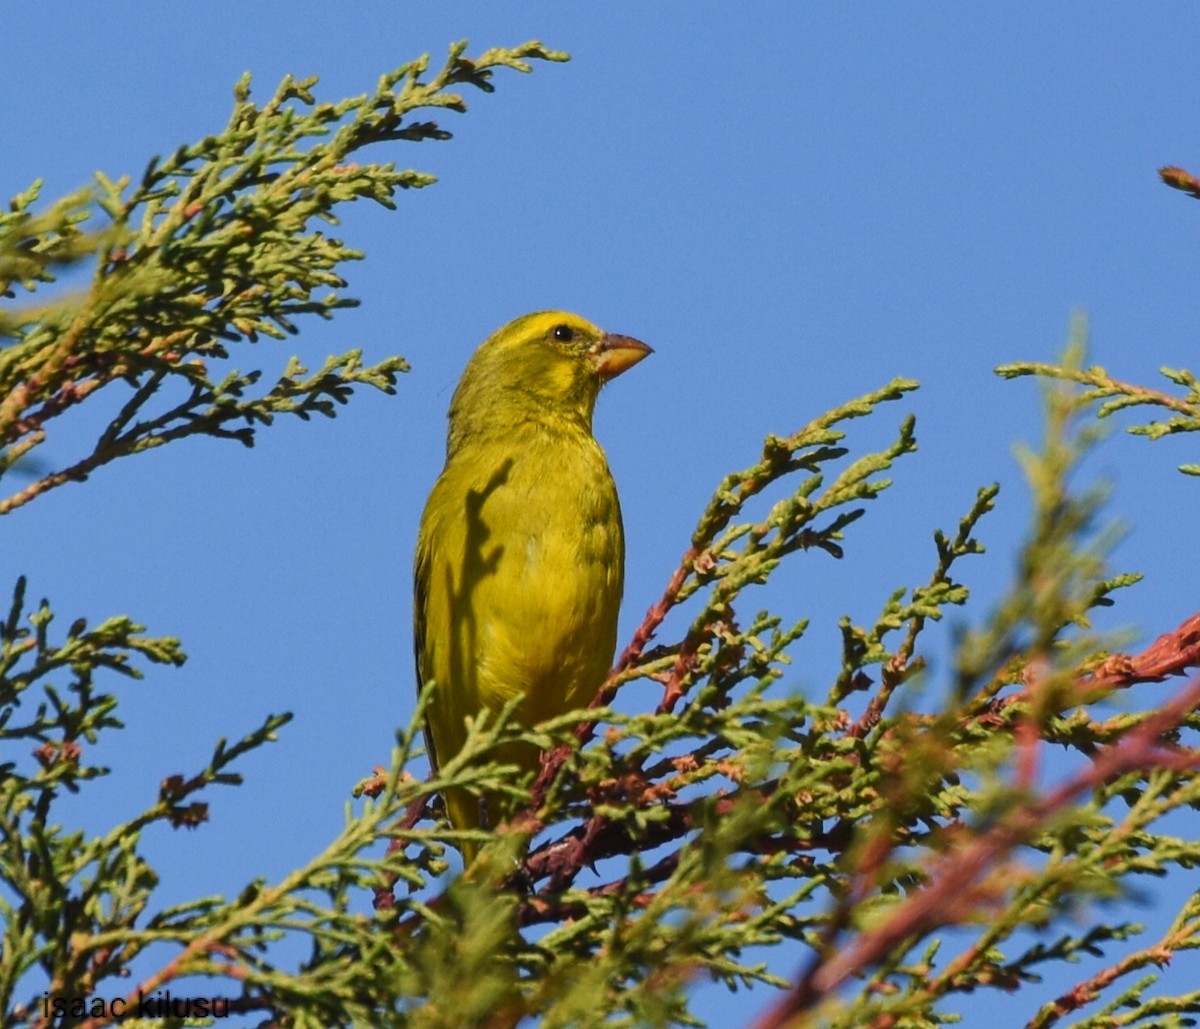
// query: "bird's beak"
[[615, 354]]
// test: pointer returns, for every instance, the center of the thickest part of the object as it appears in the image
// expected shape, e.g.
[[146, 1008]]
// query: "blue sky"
[[792, 203]]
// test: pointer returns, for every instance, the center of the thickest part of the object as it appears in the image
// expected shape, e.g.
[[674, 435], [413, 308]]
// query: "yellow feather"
[[520, 556]]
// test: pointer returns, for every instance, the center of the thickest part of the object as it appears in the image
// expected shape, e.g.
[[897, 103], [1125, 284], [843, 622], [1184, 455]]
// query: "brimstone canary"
[[520, 557]]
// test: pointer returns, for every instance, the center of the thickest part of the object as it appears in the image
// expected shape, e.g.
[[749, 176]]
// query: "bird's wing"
[[421, 571]]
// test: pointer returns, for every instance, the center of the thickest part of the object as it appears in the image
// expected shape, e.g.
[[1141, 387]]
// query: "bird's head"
[[550, 363]]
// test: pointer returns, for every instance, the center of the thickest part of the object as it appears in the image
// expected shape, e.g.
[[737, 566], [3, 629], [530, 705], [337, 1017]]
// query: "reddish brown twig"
[[1088, 990], [644, 633], [1178, 178], [1173, 653]]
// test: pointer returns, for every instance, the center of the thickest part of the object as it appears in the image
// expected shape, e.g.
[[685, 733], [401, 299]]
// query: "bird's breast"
[[535, 559]]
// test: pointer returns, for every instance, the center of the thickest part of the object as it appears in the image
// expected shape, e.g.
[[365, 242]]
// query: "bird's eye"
[[563, 333]]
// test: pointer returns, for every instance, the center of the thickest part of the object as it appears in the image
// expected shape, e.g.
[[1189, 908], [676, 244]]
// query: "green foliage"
[[1114, 395], [213, 246], [714, 818]]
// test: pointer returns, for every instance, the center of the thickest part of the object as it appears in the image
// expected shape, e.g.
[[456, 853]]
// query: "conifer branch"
[[219, 244]]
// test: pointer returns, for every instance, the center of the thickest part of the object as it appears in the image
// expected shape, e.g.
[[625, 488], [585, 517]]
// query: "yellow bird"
[[521, 553]]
